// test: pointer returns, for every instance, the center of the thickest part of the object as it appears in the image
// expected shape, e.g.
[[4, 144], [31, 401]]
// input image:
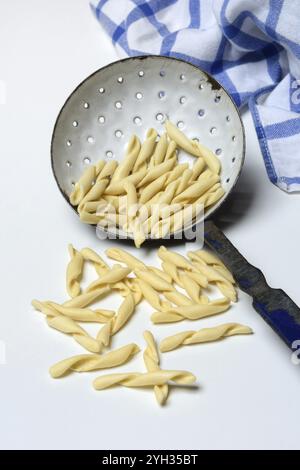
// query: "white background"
[[248, 395]]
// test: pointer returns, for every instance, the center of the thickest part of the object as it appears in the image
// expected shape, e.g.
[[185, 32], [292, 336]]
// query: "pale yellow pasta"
[[151, 189], [171, 150], [186, 215], [172, 271], [168, 194], [160, 150], [102, 268], [149, 379], [151, 359], [92, 207], [123, 256], [184, 181], [227, 289], [157, 171], [191, 287], [181, 139], [146, 149], [213, 198], [191, 312], [216, 276], [139, 235], [99, 166], [198, 277], [155, 281], [175, 258], [83, 185], [124, 312], [90, 255], [108, 170], [197, 169], [112, 276], [74, 272], [125, 167], [87, 298], [166, 210], [161, 228], [78, 314], [94, 193], [176, 173], [210, 158], [152, 297], [160, 273], [195, 190], [204, 335], [117, 188], [89, 362], [178, 298], [68, 326], [89, 218], [131, 201]]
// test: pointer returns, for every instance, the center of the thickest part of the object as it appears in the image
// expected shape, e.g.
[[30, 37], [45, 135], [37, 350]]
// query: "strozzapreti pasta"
[[147, 194], [204, 335], [182, 288]]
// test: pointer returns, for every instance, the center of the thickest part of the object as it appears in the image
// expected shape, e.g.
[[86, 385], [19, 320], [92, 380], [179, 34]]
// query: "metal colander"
[[131, 95]]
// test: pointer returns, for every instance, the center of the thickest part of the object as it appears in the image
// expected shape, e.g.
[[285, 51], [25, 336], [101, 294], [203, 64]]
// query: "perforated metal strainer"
[[129, 96]]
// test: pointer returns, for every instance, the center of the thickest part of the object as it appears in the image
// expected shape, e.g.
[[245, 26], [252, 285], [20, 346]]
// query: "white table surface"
[[249, 388]]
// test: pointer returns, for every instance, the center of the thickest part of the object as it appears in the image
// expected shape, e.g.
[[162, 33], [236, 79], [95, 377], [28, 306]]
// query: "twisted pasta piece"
[[116, 188], [128, 163], [209, 157], [191, 312], [146, 149], [102, 268], [203, 336], [211, 259], [94, 194], [74, 272], [124, 312], [112, 276], [151, 359], [123, 256], [151, 189], [197, 189], [83, 185], [160, 151], [152, 296], [157, 171], [87, 298], [53, 309], [215, 276], [149, 379], [89, 362], [70, 327], [155, 281], [108, 170]]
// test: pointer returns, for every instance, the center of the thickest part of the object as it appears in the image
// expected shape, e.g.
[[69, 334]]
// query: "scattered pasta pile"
[[176, 291], [149, 192]]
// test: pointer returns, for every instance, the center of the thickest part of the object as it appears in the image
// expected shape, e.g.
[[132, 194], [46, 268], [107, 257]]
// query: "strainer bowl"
[[131, 95]]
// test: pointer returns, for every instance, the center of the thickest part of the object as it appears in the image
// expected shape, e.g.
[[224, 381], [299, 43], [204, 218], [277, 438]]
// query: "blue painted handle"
[[274, 305]]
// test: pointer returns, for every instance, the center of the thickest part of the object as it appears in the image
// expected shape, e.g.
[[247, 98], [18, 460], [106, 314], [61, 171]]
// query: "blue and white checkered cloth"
[[251, 46]]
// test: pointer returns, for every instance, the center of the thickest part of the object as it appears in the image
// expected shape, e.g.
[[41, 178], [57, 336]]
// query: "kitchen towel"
[[252, 47]]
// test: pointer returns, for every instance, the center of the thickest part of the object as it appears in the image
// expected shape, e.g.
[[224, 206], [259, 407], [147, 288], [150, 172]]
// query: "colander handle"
[[274, 305]]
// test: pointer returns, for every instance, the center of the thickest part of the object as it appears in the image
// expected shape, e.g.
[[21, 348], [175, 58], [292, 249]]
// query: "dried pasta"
[[151, 359], [89, 362], [204, 335], [74, 272], [177, 290], [149, 379], [149, 175]]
